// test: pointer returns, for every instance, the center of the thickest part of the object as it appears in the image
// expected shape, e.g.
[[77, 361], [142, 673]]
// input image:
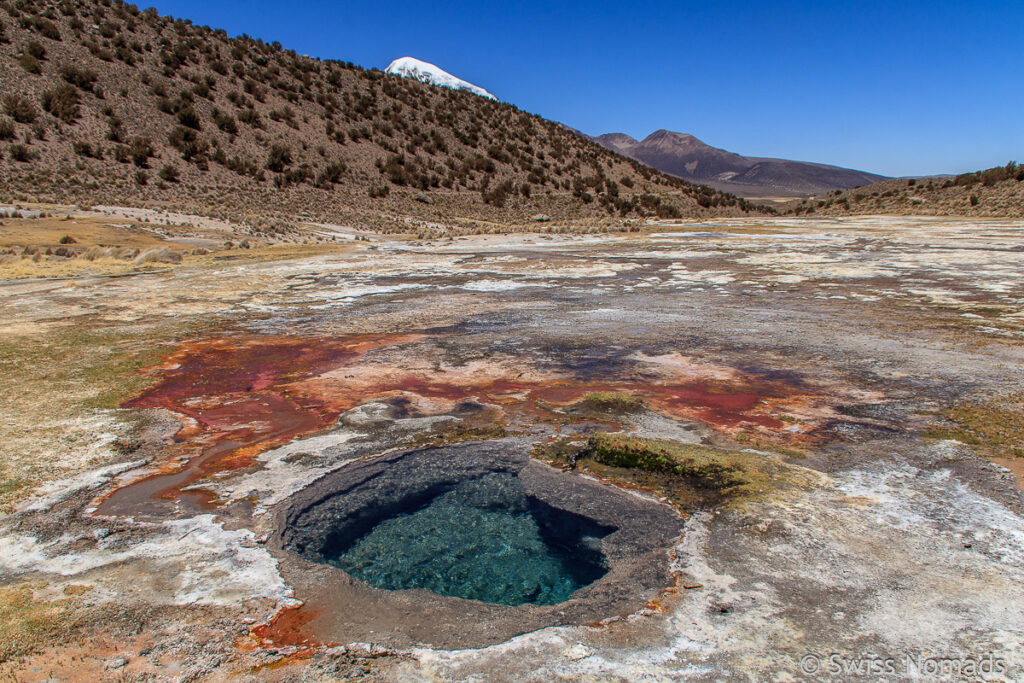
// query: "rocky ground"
[[160, 425]]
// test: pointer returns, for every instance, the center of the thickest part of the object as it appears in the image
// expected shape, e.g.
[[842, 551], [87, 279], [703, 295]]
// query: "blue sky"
[[898, 87]]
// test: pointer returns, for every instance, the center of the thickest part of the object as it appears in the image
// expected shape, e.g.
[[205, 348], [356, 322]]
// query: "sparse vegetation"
[[995, 426], [997, 191], [27, 623]]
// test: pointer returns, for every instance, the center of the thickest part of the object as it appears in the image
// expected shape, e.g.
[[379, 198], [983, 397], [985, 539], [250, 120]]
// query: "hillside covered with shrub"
[[996, 192], [104, 103]]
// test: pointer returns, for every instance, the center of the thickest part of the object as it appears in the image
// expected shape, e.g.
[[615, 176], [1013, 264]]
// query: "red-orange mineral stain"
[[289, 627], [244, 395], [235, 389]]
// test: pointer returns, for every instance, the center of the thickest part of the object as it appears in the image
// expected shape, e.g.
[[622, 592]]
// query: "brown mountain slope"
[[996, 192], [104, 103], [687, 157]]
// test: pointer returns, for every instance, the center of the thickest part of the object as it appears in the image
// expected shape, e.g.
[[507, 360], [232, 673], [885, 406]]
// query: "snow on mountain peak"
[[426, 72]]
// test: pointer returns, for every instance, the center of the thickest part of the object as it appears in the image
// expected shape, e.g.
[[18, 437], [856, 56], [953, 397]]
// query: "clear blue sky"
[[899, 87]]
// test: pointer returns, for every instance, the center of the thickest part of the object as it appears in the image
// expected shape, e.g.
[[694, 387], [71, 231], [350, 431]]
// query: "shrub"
[[195, 151], [81, 78], [158, 255], [395, 170], [181, 136], [189, 118], [115, 133], [84, 149], [35, 49], [62, 102], [974, 200], [241, 166], [330, 175], [279, 158], [30, 64], [379, 192], [967, 179], [6, 129], [250, 117], [498, 194], [141, 178], [68, 239], [994, 175], [169, 173], [140, 151], [21, 153], [19, 108], [42, 26], [225, 122]]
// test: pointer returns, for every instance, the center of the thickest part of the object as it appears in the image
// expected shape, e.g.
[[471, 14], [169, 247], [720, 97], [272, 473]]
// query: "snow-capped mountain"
[[426, 72]]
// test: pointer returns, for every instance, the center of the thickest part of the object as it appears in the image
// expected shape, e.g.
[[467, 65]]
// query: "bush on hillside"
[[62, 102]]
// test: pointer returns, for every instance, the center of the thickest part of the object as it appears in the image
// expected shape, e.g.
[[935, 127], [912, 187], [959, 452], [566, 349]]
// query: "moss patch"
[[688, 475], [995, 427], [458, 432], [609, 402], [707, 468]]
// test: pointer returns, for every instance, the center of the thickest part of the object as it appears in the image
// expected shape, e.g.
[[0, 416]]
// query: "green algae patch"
[[995, 427], [690, 476], [459, 432], [610, 402], [726, 472]]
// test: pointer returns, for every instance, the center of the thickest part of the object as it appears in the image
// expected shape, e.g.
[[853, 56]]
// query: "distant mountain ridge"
[[693, 160]]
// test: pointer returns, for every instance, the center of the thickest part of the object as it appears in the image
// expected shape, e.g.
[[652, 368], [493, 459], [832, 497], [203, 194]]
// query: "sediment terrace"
[[167, 428]]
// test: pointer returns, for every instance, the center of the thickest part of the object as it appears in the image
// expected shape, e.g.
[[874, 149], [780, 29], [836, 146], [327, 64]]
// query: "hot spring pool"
[[482, 539], [429, 540]]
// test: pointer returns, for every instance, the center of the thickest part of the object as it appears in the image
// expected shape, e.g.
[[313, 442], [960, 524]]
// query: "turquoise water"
[[482, 539]]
